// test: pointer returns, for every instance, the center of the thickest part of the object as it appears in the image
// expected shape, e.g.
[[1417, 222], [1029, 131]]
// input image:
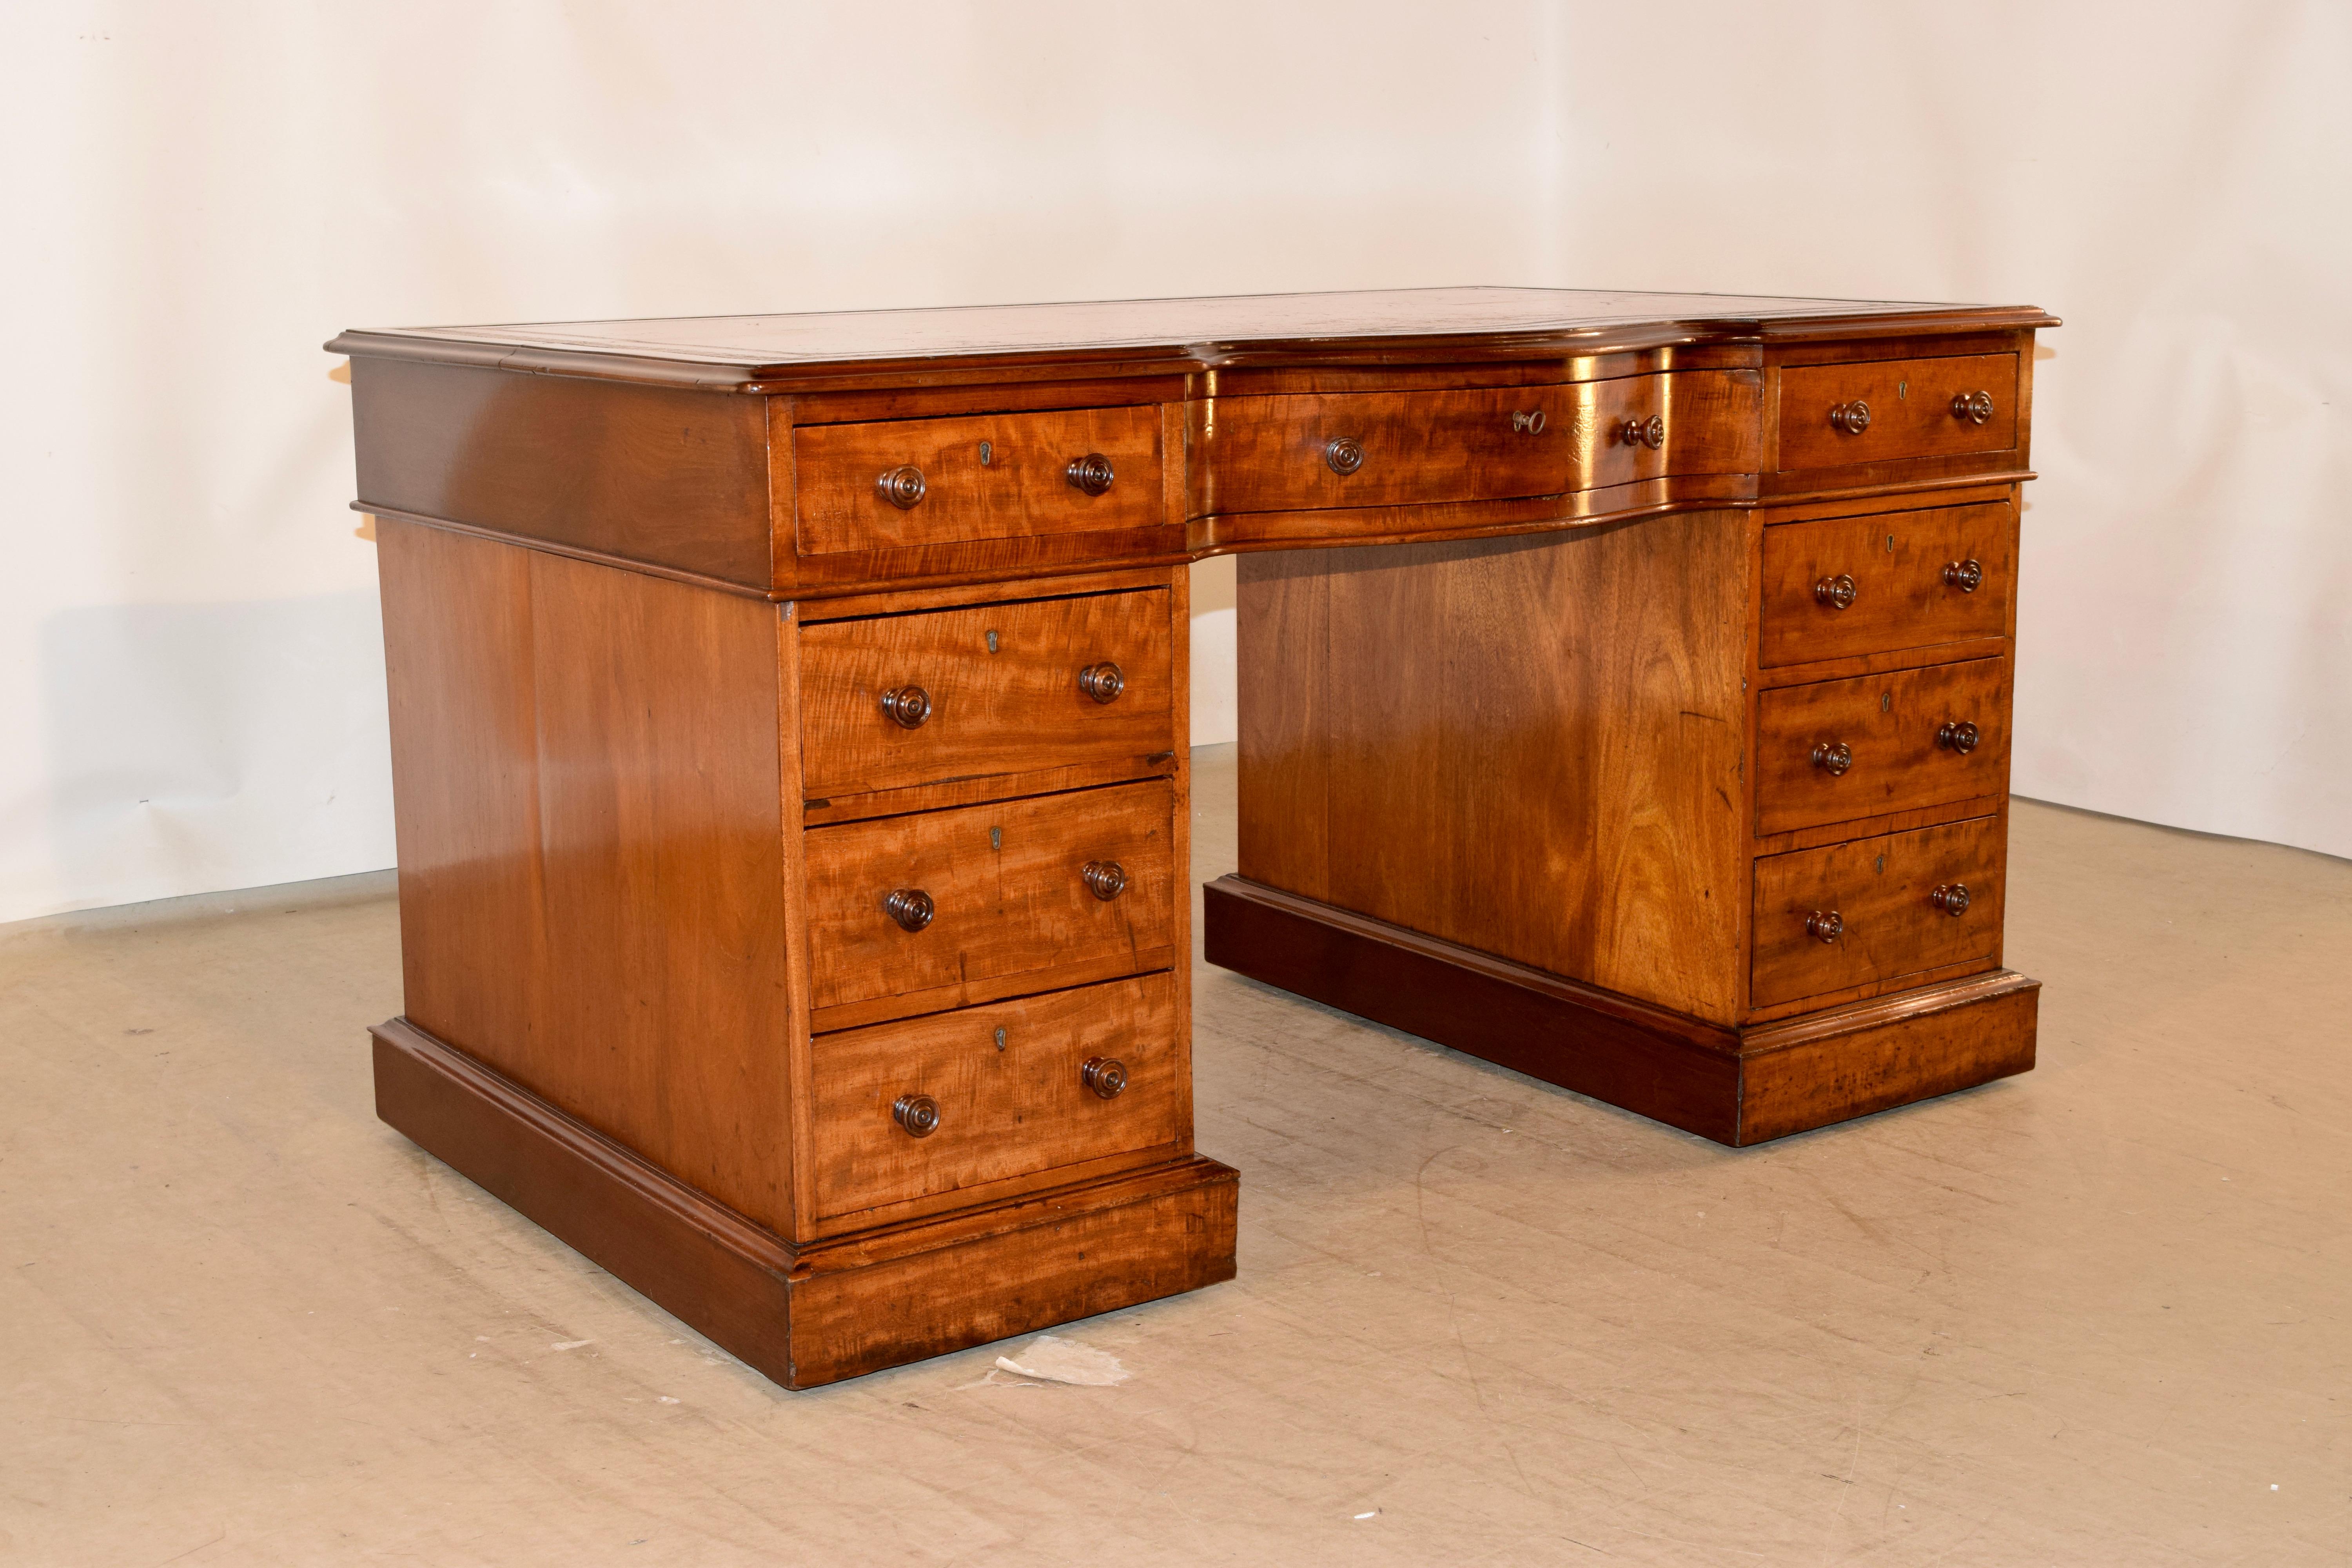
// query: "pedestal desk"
[[789, 725]]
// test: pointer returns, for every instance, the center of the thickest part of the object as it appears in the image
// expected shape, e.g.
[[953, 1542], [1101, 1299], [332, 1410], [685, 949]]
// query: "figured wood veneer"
[[1890, 725], [1897, 563], [1879, 889], [1910, 403]]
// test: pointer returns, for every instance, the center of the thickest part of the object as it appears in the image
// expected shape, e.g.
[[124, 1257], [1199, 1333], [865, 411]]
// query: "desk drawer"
[[987, 690], [1848, 585], [1876, 410], [1837, 750], [1403, 448], [1007, 1083], [1011, 904], [1873, 912], [998, 476]]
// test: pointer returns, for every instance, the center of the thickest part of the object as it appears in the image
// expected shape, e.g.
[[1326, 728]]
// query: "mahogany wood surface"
[[1897, 562], [1530, 747], [1532, 667], [1737, 1085], [1020, 488], [1013, 1108], [1012, 905], [809, 1315], [1001, 682], [1879, 888], [1890, 725], [587, 796]]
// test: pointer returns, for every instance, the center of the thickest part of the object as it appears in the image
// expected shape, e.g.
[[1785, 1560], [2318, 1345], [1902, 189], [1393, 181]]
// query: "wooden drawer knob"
[[1343, 455], [1952, 898], [1976, 407], [906, 706], [902, 487], [1967, 577], [1836, 592], [1852, 418], [1090, 473], [1832, 757], [1650, 432], [918, 1113], [1957, 735], [1103, 682], [1825, 925], [1105, 1075], [910, 907], [1106, 880]]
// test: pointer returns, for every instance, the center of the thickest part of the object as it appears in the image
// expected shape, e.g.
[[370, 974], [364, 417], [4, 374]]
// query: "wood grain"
[[593, 902], [1879, 886], [1008, 1111], [1889, 723], [1011, 904], [1910, 406], [1002, 682], [809, 1315], [1267, 454], [1901, 599], [1528, 747], [1020, 490]]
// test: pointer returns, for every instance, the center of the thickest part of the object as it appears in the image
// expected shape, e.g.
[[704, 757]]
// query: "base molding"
[[813, 1314], [1737, 1085]]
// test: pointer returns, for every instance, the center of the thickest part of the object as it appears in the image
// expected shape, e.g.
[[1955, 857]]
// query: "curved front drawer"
[[1012, 909], [1006, 1080], [1882, 893]]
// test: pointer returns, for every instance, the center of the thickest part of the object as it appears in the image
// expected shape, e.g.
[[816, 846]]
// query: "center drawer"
[[998, 688], [1835, 751], [944, 908], [1009, 1093], [1876, 909]]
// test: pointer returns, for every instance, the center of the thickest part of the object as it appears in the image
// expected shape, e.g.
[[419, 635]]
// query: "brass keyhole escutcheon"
[[987, 454]]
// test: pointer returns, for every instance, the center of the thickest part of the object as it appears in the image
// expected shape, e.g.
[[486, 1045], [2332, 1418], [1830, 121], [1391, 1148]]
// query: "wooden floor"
[[2099, 1314]]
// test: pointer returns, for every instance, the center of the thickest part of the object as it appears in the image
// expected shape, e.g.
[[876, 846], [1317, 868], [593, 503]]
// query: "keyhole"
[[1000, 1033], [986, 453], [1885, 701], [1902, 389], [996, 838], [992, 642], [1890, 545]]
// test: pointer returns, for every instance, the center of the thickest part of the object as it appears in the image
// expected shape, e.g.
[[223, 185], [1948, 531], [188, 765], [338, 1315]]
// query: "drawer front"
[[1008, 891], [1283, 454], [1915, 410], [1905, 740], [991, 689], [1882, 892], [1917, 578], [1020, 485], [1007, 1080]]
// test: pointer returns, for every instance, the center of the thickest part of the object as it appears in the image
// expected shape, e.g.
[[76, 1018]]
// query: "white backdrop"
[[190, 671]]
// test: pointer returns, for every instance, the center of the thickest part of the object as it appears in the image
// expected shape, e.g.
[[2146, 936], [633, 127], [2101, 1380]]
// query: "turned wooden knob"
[[1090, 473], [906, 706], [1967, 577], [902, 487], [1832, 757], [1343, 455], [1650, 432], [1957, 735], [918, 1113], [910, 907], [1976, 407], [1103, 682], [1836, 592], [1105, 1075], [1852, 418], [1952, 898], [1106, 880], [1825, 925]]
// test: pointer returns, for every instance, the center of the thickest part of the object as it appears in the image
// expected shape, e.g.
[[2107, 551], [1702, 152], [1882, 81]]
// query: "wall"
[[189, 660]]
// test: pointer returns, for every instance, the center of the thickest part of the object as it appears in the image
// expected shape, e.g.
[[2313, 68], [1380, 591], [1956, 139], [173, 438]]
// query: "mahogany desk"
[[788, 741]]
